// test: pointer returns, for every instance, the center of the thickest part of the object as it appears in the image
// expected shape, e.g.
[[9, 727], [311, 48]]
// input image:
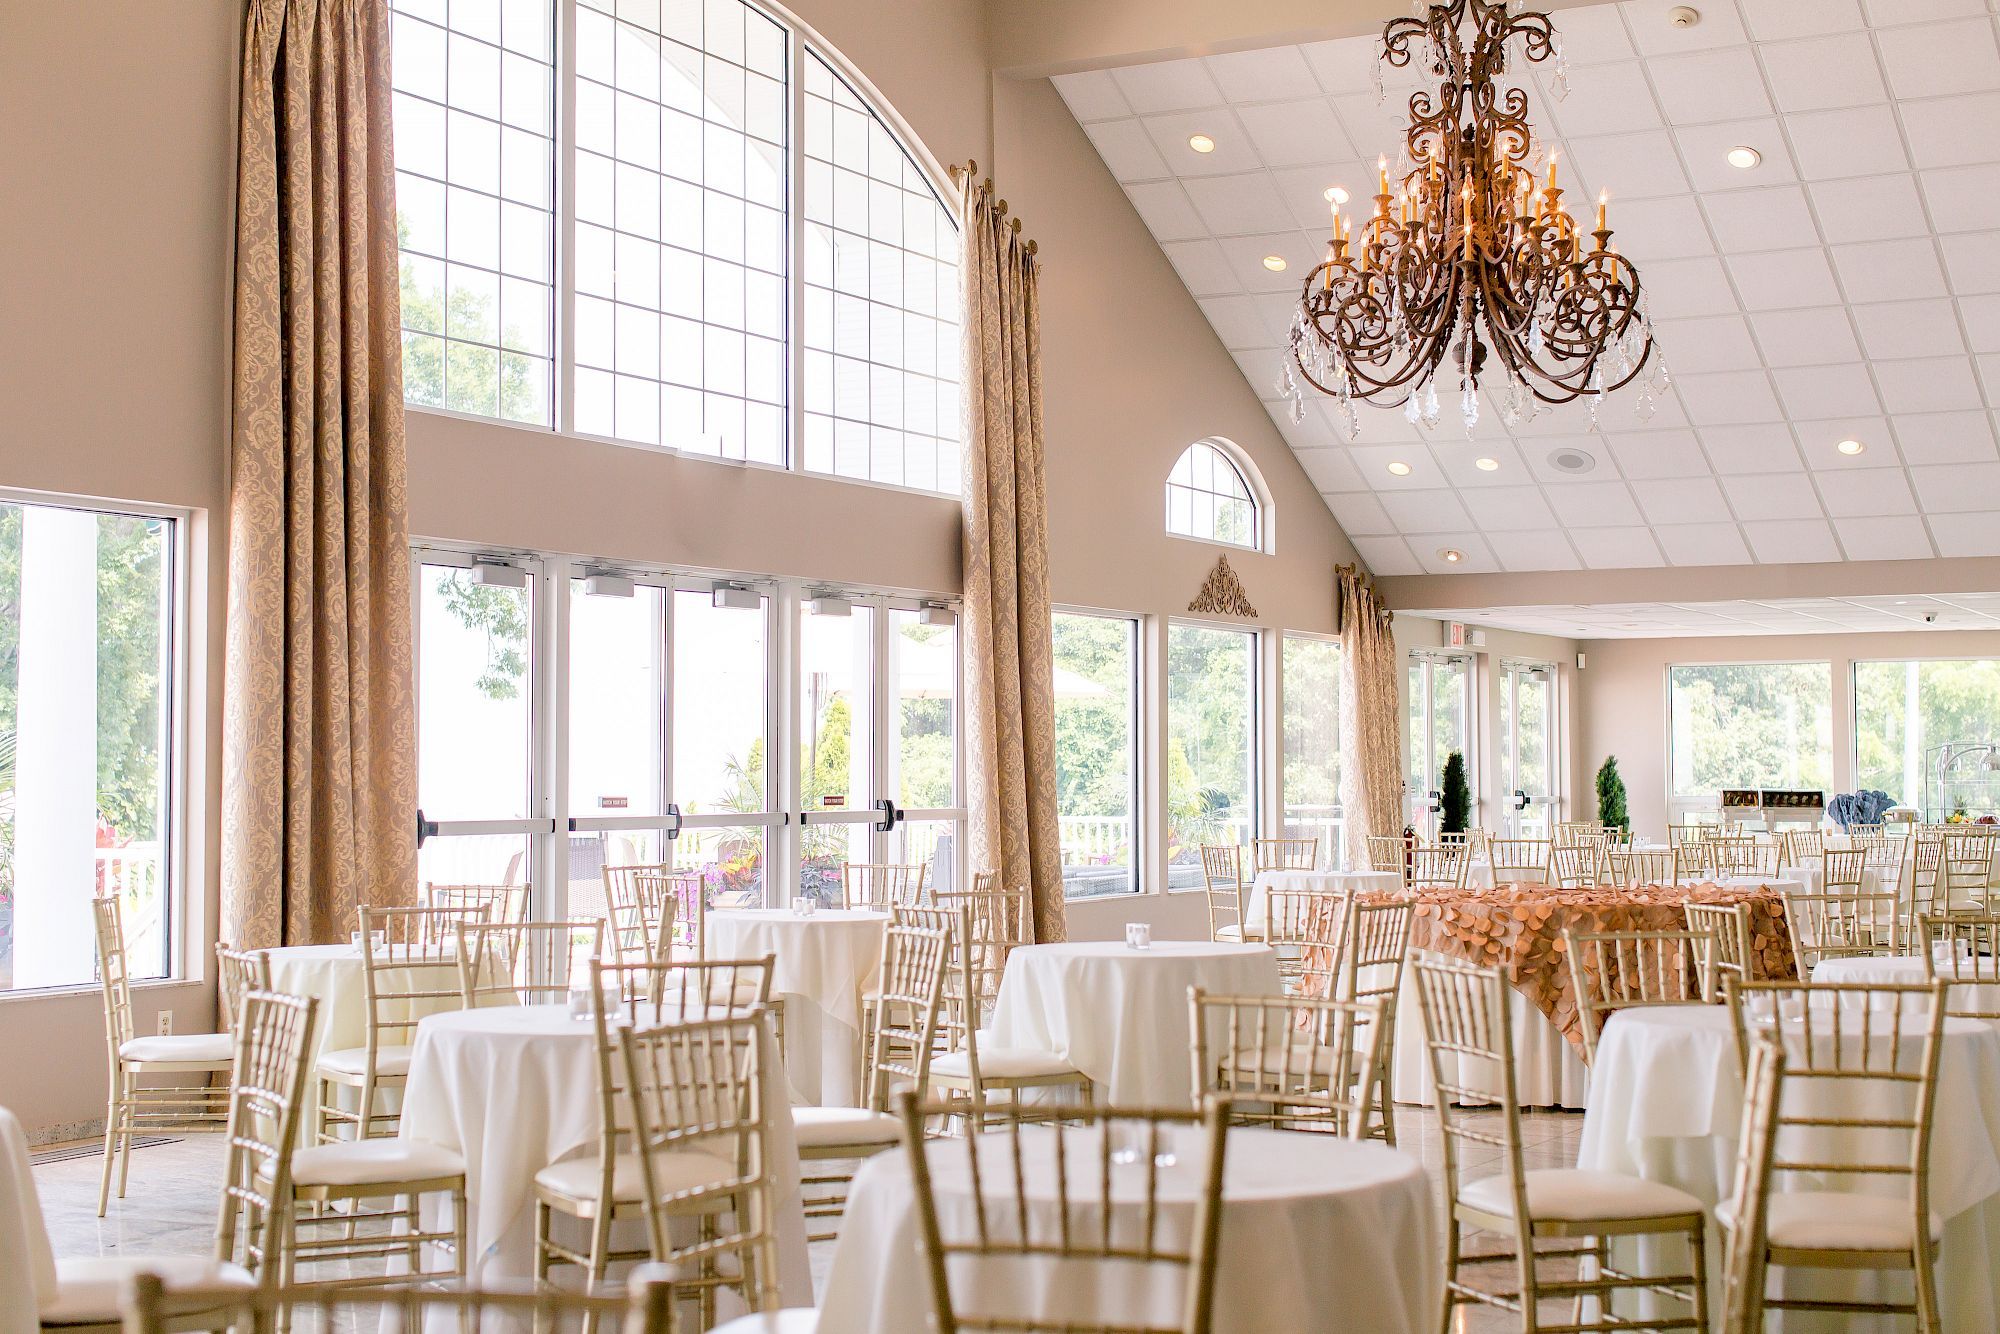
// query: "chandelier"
[[1471, 252]]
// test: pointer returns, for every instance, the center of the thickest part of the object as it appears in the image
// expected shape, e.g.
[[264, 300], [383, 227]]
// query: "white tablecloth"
[[1908, 970], [1121, 1015], [1311, 882], [1667, 1101], [1317, 1234], [336, 976], [824, 964], [1548, 1069], [514, 1089]]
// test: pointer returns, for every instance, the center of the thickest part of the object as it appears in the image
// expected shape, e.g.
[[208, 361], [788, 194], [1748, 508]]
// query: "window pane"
[[473, 698], [881, 294], [475, 157], [731, 861], [85, 645], [719, 704], [1208, 498], [617, 680], [836, 685], [923, 663], [1750, 725], [1095, 661], [1921, 734], [1211, 744], [1312, 743]]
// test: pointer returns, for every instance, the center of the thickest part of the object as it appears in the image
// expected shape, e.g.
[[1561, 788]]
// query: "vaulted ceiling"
[[1845, 288]]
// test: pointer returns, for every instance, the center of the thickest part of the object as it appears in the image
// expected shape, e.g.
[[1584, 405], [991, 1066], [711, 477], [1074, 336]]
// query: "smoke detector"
[[1572, 461], [1684, 16]]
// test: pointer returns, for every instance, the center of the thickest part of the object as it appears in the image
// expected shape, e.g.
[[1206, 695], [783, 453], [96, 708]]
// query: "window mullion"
[[565, 230], [795, 223]]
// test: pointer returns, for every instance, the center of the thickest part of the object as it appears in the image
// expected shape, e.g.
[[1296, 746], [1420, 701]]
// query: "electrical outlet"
[[166, 1022]]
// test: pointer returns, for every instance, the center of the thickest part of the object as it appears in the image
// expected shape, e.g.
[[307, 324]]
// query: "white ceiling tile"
[[1823, 72], [1202, 267], [1474, 556], [1616, 548], [1706, 148], [1359, 513], [1262, 76], [1163, 206], [1767, 447], [1665, 228], [1874, 208], [1933, 384], [1702, 544], [1092, 95], [1374, 461], [1425, 511], [1771, 219], [1347, 65], [1499, 509], [1593, 34], [1953, 131], [1859, 141], [1718, 342], [1304, 190], [1373, 127], [1237, 321], [1238, 205], [1945, 437], [1961, 198], [1458, 461], [1605, 99], [1168, 85], [1593, 503], [1729, 398], [1776, 20], [1778, 279], [1989, 373], [1962, 487], [1681, 500], [1655, 33], [1820, 442], [1170, 132], [1629, 166], [1772, 496], [1888, 270], [1967, 534], [1825, 391], [1290, 134], [1877, 491], [1659, 454], [1792, 541], [1539, 453], [1941, 58], [1909, 329], [1246, 255], [1127, 149], [1299, 435], [1711, 85], [1533, 551], [1972, 260], [1887, 537], [1677, 288], [1811, 337], [1888, 13], [1258, 366], [1386, 556]]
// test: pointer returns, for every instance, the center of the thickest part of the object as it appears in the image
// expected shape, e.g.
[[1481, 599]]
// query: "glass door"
[[479, 803], [836, 714], [1439, 701], [922, 748], [1527, 713]]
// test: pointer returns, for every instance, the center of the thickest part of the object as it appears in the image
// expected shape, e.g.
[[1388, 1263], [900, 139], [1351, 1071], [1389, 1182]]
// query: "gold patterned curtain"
[[319, 749], [1010, 761], [1371, 769]]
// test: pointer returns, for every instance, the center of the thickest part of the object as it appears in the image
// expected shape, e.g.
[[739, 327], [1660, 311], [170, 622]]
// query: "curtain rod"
[[962, 174]]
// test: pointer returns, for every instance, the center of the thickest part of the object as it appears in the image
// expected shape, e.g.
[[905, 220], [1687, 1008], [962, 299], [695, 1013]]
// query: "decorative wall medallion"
[[1222, 593]]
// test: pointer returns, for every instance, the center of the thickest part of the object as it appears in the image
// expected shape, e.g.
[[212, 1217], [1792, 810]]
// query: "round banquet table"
[[514, 1089], [1909, 970], [824, 965], [335, 976], [1667, 1100], [1120, 1015], [1317, 1233], [1311, 882]]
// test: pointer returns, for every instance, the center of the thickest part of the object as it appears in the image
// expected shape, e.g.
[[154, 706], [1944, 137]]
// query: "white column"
[[55, 755]]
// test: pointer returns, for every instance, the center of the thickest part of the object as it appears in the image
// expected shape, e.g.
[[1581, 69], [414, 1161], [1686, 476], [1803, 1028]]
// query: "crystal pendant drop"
[[1413, 411], [1642, 406], [1381, 90], [1433, 414], [1285, 381], [1559, 78], [1535, 340], [1468, 406]]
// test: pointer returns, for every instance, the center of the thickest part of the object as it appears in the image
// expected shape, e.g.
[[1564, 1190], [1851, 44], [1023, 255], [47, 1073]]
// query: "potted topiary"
[[1454, 796], [1611, 797]]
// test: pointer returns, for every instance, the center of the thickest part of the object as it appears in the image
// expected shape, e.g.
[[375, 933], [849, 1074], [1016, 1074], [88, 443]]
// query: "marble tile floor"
[[170, 1206]]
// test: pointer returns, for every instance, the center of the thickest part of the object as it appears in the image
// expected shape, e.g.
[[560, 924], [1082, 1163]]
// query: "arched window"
[[1210, 497]]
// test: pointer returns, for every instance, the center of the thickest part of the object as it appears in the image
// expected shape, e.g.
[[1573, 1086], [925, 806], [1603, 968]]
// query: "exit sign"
[[1456, 630]]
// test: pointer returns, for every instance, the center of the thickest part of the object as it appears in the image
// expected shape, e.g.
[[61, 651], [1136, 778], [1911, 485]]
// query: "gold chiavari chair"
[[1575, 866], [1519, 860], [1693, 863], [680, 898], [1222, 878], [1640, 866], [1963, 950], [1841, 926], [636, 911], [503, 903], [1291, 1062], [238, 971], [644, 1306], [1568, 832], [408, 969], [1729, 923], [882, 885], [1468, 1034], [1968, 869], [905, 1020], [1441, 867], [1626, 970], [1040, 1231], [1855, 1109], [1843, 871], [526, 963], [695, 1092], [1001, 923], [1387, 852], [1678, 834], [1298, 920], [1802, 847], [1478, 843], [1375, 944], [1743, 1216], [1734, 855], [188, 1061], [267, 1096], [1285, 854], [1926, 872]]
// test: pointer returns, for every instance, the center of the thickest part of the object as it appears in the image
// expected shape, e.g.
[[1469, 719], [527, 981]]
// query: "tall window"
[[1208, 498], [700, 163], [1097, 664], [86, 647], [1211, 744], [1439, 703], [1926, 732], [1527, 752], [1312, 742], [1750, 724]]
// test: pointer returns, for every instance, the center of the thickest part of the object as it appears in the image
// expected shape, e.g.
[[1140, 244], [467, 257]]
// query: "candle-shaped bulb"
[[1382, 168], [1603, 198], [1552, 169]]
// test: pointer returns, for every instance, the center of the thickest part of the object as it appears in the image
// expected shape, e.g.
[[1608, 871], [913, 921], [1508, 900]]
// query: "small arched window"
[[1208, 497]]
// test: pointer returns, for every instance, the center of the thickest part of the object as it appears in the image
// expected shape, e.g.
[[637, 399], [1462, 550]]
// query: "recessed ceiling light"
[[1850, 446], [1450, 555], [1399, 468], [1333, 194], [1744, 156], [1275, 263], [1487, 465], [1201, 143]]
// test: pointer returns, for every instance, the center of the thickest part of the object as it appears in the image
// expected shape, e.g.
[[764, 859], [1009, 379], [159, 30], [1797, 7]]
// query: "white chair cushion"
[[1276, 1060], [1235, 934], [579, 1178], [1575, 1195], [821, 1127], [791, 1320], [185, 1048], [1822, 1220], [90, 1290], [354, 1061], [1004, 1063], [366, 1162]]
